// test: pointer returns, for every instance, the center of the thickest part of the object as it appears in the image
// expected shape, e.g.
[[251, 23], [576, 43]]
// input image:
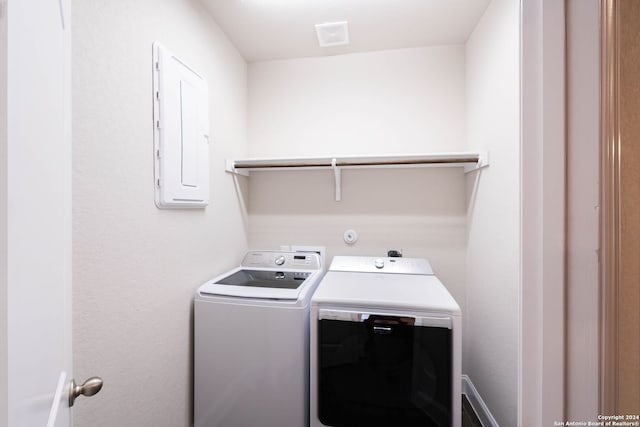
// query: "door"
[[620, 343], [35, 209], [628, 304]]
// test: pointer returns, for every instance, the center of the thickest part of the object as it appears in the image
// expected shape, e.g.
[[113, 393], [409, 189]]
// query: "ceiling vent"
[[333, 33]]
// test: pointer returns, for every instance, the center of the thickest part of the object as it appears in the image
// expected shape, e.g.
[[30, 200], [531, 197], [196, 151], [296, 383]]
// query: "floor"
[[469, 417]]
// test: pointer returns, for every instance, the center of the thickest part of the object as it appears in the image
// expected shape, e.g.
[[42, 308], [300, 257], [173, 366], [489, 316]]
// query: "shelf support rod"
[[337, 174]]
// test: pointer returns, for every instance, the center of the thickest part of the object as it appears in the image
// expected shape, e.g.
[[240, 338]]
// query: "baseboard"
[[478, 405]]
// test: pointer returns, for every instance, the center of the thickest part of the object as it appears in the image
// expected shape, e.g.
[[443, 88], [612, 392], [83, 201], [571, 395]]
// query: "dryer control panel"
[[381, 265]]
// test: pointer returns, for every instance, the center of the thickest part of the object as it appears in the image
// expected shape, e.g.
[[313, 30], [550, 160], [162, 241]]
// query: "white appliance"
[[385, 346], [251, 342]]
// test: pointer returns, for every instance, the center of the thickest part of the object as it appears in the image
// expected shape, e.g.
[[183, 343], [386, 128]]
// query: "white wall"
[[421, 211], [492, 281], [401, 101], [397, 101], [136, 268]]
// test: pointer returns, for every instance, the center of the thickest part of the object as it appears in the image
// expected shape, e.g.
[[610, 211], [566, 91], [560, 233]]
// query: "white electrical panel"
[[181, 133]]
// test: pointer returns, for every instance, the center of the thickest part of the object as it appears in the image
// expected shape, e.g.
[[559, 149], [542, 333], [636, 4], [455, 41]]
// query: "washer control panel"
[[359, 264], [288, 260]]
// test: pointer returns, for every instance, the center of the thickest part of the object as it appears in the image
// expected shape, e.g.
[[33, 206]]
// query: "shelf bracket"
[[337, 174], [483, 162], [231, 168]]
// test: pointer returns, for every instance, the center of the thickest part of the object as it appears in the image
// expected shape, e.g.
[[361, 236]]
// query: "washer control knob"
[[280, 260], [379, 263]]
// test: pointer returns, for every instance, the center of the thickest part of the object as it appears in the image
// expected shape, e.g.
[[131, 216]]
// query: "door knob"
[[89, 388]]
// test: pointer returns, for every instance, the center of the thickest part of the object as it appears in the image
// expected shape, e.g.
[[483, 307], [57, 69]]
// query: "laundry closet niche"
[[136, 268], [441, 98]]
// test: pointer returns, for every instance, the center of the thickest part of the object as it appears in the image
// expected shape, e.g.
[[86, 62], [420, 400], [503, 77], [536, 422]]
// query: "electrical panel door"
[[181, 133]]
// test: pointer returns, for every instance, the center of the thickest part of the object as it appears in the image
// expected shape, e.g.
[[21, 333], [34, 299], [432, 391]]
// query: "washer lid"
[[265, 279], [411, 292], [275, 275], [248, 283]]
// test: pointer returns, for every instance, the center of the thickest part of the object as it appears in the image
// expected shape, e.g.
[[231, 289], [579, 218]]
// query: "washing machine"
[[251, 342], [385, 346]]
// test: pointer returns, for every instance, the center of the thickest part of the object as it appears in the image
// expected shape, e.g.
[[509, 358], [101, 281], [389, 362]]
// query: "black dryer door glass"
[[383, 372]]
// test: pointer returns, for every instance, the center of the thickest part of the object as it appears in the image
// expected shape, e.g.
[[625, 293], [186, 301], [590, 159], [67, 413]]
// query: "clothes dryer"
[[251, 342], [385, 346]]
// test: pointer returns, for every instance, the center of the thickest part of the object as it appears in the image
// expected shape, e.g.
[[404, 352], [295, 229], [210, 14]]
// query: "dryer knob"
[[379, 263], [280, 260]]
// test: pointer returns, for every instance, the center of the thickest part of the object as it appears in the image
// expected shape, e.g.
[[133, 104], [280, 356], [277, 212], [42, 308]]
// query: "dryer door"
[[382, 370]]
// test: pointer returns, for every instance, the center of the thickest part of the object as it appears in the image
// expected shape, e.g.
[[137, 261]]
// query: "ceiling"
[[278, 29]]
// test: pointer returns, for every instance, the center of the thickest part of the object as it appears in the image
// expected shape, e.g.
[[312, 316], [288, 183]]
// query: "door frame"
[[4, 325], [541, 364]]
